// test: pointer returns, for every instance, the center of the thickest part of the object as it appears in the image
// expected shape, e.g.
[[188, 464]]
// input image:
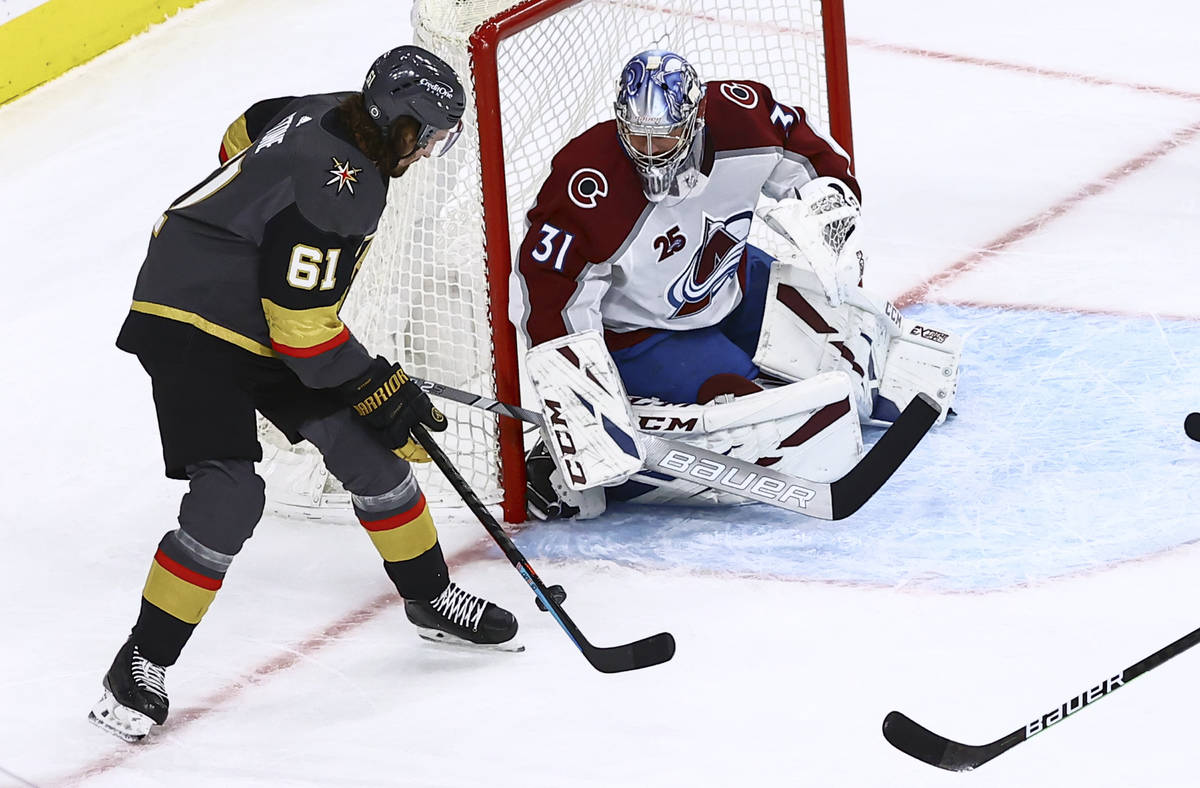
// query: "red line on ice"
[[1057, 308], [300, 652], [926, 289], [356, 618], [1022, 68]]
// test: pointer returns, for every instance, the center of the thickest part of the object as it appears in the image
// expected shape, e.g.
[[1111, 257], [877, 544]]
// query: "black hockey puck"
[[1191, 425], [557, 593]]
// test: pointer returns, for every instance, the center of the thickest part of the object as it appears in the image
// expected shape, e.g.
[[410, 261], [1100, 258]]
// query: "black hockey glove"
[[389, 401]]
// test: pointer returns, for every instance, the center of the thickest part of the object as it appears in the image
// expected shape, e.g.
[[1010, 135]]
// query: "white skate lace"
[[460, 607], [149, 676]]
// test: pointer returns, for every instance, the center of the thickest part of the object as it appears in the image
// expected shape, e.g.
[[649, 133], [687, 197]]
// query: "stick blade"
[[923, 744], [914, 740], [643, 653], [854, 489]]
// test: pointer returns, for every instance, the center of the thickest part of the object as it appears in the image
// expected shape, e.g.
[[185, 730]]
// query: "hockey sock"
[[183, 581], [402, 530]]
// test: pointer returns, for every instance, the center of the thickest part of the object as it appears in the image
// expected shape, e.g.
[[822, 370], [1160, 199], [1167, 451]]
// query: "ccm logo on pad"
[[566, 443]]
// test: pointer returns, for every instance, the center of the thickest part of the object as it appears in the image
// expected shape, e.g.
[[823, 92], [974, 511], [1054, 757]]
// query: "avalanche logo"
[[586, 187], [713, 266], [742, 95]]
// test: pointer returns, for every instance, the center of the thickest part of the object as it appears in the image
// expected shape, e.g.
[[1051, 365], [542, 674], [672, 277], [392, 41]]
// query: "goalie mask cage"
[[434, 292]]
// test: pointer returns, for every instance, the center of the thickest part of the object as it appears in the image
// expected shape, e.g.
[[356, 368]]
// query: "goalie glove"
[[391, 403], [819, 223]]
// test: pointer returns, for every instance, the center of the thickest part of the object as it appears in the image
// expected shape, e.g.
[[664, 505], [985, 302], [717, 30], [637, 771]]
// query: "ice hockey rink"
[[1030, 174]]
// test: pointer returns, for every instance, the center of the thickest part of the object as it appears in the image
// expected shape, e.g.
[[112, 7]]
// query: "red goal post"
[[433, 293]]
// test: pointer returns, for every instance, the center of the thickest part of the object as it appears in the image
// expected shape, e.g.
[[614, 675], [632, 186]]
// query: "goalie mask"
[[659, 122], [413, 82]]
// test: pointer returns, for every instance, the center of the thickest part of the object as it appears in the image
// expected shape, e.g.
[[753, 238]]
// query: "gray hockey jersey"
[[263, 251]]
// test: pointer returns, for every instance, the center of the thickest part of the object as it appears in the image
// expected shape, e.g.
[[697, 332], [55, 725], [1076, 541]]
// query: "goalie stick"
[[925, 745], [643, 653], [825, 500]]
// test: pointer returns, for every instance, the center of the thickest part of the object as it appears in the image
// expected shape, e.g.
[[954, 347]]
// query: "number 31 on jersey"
[[552, 238]]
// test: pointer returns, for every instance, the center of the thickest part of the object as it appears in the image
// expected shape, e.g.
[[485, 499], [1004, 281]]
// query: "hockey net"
[[433, 293]]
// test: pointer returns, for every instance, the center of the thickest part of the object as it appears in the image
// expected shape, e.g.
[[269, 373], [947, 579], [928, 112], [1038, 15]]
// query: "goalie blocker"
[[591, 437]]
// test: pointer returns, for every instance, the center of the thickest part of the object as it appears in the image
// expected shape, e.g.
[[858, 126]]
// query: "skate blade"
[[444, 638], [120, 721]]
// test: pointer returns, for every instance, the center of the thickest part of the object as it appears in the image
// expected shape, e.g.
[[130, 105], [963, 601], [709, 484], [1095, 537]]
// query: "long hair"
[[382, 149]]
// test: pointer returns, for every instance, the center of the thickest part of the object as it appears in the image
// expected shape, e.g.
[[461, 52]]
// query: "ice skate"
[[457, 616], [135, 696], [543, 498], [548, 498]]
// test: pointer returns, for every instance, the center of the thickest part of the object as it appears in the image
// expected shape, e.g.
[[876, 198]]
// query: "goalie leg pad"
[[809, 429], [802, 335], [890, 357], [919, 359]]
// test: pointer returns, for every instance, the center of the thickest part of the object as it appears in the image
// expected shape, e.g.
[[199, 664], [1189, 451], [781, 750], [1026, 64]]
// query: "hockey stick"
[[925, 745], [825, 500], [643, 653]]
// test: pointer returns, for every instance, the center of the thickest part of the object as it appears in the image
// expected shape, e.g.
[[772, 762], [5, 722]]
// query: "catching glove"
[[391, 403], [820, 223]]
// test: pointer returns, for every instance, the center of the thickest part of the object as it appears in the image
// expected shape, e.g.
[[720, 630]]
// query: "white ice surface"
[[1045, 539], [11, 9]]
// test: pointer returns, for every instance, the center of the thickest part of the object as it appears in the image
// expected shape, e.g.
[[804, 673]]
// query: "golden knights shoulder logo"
[[343, 175]]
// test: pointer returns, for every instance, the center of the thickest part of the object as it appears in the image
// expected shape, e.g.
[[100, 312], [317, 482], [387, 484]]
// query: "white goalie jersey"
[[598, 255]]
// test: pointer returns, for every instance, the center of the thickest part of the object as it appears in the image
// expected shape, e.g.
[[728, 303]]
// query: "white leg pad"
[[891, 358], [788, 346], [809, 429], [593, 439], [802, 335], [920, 359]]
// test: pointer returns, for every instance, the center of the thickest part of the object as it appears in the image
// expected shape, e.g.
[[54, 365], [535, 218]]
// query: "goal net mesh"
[[421, 297]]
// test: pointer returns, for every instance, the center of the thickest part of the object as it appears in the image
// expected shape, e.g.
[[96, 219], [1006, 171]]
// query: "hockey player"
[[236, 310], [636, 284]]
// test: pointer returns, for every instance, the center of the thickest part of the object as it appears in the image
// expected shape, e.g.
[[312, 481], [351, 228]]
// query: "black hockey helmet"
[[413, 82]]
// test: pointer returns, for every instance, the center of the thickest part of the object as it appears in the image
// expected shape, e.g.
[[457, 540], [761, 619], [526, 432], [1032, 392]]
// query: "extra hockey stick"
[[827, 501], [643, 653], [925, 745]]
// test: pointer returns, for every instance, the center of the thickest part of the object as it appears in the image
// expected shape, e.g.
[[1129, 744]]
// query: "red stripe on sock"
[[185, 574], [396, 520]]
